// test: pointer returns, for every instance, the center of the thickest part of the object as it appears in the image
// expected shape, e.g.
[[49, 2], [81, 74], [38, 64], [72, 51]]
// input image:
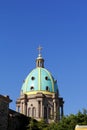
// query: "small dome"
[[39, 80]]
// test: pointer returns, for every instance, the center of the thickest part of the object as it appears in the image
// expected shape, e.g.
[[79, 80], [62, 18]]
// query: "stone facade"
[[40, 106], [4, 112], [10, 119], [17, 121]]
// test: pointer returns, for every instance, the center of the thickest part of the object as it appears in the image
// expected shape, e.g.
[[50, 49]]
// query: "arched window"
[[18, 108], [29, 111], [45, 113], [33, 112], [49, 112]]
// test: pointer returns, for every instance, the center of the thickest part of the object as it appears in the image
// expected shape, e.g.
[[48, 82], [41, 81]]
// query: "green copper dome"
[[39, 80]]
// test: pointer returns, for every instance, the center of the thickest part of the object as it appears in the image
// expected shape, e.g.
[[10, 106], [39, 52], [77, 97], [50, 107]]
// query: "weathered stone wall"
[[17, 121], [3, 115], [10, 119], [4, 108]]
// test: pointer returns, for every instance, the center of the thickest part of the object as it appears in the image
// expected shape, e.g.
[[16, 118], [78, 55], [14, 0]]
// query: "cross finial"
[[39, 49]]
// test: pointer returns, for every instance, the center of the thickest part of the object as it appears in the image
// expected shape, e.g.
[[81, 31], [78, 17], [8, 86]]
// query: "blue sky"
[[60, 27]]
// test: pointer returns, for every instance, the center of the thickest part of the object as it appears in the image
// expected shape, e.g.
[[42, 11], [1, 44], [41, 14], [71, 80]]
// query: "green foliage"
[[67, 122], [36, 125], [33, 125], [42, 124]]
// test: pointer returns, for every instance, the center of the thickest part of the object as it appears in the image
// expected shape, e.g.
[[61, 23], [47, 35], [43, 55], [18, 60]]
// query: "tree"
[[33, 125], [69, 122], [66, 123], [42, 125]]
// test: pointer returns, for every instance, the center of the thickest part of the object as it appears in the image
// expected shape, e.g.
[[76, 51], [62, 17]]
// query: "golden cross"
[[39, 49]]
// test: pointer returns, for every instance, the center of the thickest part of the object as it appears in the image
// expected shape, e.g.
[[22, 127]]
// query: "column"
[[41, 110], [54, 110], [61, 111], [25, 108]]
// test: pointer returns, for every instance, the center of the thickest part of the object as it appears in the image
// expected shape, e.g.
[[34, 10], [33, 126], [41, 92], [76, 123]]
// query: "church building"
[[39, 95]]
